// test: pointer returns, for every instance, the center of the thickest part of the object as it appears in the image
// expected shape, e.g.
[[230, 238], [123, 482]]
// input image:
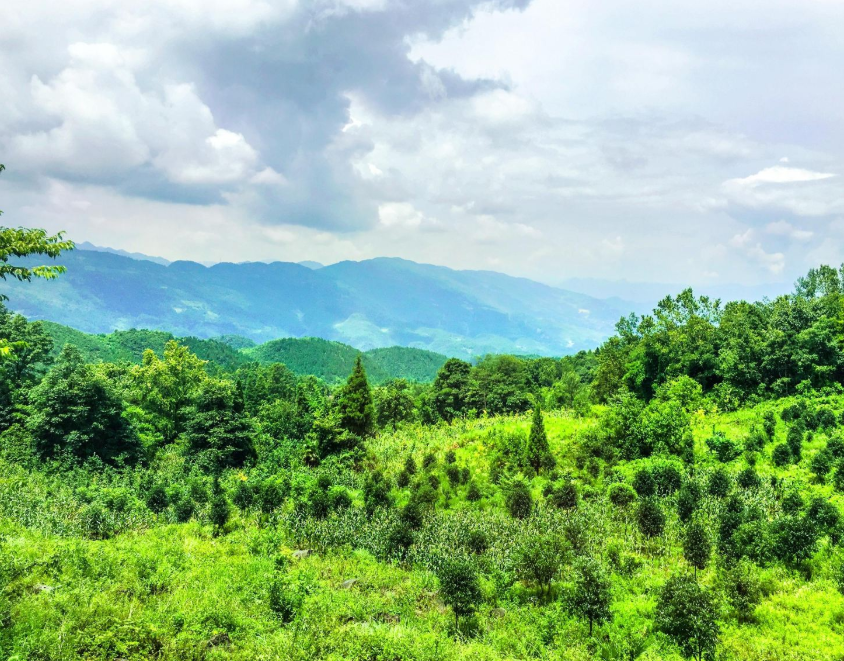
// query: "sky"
[[656, 141]]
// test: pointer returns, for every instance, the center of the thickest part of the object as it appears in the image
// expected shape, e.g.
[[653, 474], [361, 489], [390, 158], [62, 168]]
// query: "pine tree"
[[357, 412], [537, 453]]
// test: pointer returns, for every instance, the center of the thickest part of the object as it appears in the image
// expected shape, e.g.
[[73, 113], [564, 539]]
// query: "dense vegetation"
[[329, 361], [674, 494]]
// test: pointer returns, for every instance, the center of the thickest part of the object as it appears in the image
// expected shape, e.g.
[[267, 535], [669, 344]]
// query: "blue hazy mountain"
[[369, 304]]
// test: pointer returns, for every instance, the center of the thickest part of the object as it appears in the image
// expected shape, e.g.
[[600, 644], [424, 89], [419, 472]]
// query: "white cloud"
[[784, 228], [779, 175]]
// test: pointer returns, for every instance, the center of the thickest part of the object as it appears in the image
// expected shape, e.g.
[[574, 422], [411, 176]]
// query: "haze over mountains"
[[370, 304]]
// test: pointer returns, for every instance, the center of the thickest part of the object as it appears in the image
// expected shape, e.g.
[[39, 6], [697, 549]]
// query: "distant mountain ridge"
[[371, 304]]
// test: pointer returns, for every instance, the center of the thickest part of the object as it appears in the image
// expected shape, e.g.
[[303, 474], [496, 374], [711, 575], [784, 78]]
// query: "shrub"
[[781, 455], [821, 464], [459, 587], [722, 447], [743, 589], [450, 457], [687, 613], [477, 541], [667, 479], [563, 495], [452, 472], [688, 500], [518, 499], [651, 518], [285, 599], [429, 461], [403, 479], [795, 442], [719, 483], [748, 479], [621, 494], [644, 483], [769, 424], [539, 558], [473, 493]]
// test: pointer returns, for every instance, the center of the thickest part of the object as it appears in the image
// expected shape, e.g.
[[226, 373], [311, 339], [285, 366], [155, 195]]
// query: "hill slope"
[[372, 304], [330, 361]]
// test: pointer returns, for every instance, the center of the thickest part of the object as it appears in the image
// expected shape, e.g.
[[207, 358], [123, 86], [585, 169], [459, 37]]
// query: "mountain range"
[[369, 304]]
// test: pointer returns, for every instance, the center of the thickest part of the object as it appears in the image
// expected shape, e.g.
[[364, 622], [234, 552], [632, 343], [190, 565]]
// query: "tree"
[[394, 403], [650, 517], [24, 242], [742, 588], [539, 558], [688, 500], [218, 426], [451, 389], [76, 410], [459, 587], [518, 499], [354, 404], [537, 453], [166, 388], [686, 613], [592, 592], [697, 546]]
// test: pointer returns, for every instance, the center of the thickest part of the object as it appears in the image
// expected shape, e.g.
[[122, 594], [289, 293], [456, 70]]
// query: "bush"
[[621, 494], [651, 518], [821, 464], [769, 424], [473, 493], [477, 541], [518, 499], [743, 589], [722, 447], [795, 442], [563, 495], [429, 461], [748, 479], [719, 483], [688, 500], [539, 558], [450, 457], [285, 599], [459, 587], [452, 472], [644, 483], [781, 455], [667, 479]]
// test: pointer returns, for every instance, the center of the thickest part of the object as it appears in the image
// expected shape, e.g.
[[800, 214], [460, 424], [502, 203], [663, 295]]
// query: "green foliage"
[[217, 426], [519, 499], [592, 594], [356, 412], [697, 545], [687, 613], [537, 452], [459, 586], [650, 518], [538, 559], [76, 411]]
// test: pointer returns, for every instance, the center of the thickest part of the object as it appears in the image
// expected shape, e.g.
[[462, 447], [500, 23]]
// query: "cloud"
[[610, 140]]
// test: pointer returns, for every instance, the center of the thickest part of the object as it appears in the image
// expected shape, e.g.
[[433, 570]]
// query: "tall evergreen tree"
[[537, 453], [354, 404]]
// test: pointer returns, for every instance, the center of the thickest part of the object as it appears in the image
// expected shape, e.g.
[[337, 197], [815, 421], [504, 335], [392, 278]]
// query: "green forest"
[[674, 494]]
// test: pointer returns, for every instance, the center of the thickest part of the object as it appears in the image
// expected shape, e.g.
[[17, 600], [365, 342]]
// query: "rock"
[[40, 587], [302, 553], [347, 584], [219, 638]]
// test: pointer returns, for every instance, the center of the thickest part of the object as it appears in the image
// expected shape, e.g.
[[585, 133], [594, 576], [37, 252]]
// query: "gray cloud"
[[542, 138]]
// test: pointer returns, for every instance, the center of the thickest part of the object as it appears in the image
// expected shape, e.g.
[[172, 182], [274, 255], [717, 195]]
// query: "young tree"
[[459, 587], [394, 403], [539, 558], [697, 546], [519, 499], [592, 592], [650, 517], [537, 453], [354, 404], [76, 410], [686, 613], [742, 588]]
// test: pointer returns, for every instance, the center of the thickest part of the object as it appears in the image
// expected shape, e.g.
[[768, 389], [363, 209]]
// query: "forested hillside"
[[330, 361], [675, 493], [371, 304]]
